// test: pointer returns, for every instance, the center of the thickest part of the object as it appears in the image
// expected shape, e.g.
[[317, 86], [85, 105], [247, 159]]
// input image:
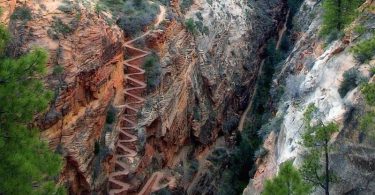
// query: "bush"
[[372, 71], [368, 91], [364, 50], [66, 8], [111, 115], [334, 35], [367, 124], [153, 71], [191, 26], [359, 29], [185, 5], [57, 70], [21, 13], [352, 78], [287, 181], [60, 27], [133, 16]]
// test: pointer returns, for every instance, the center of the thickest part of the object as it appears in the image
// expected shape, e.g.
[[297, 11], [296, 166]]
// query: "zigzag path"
[[125, 149]]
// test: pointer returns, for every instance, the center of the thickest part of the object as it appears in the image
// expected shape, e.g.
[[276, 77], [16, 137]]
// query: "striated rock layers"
[[85, 76], [205, 80]]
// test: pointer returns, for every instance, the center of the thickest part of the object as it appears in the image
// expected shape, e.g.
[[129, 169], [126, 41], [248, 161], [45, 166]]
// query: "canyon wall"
[[84, 74], [206, 79], [316, 67]]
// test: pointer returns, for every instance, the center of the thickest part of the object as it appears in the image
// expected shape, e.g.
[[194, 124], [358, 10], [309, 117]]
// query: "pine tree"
[[287, 182], [337, 14], [27, 165], [316, 141]]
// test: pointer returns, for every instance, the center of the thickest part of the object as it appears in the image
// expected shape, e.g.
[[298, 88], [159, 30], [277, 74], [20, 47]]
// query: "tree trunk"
[[339, 15], [327, 168]]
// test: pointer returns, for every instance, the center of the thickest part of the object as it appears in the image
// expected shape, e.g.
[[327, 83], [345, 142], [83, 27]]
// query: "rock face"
[[6, 13], [320, 72], [204, 86], [205, 83], [85, 74]]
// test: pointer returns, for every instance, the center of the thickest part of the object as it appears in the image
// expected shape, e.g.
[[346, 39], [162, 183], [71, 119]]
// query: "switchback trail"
[[135, 86]]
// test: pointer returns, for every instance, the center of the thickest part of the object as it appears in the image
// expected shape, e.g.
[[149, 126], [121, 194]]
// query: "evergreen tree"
[[287, 182], [27, 165], [316, 140], [337, 14]]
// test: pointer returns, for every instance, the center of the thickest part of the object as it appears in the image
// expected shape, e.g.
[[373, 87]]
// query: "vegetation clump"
[[368, 91], [152, 70], [191, 26], [352, 78], [22, 13], [185, 5], [287, 182], [364, 50], [338, 14], [132, 16]]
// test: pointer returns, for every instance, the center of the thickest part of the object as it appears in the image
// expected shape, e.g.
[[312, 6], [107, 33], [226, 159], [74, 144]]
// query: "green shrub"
[[368, 91], [66, 8], [367, 124], [360, 29], [185, 5], [334, 35], [372, 71], [191, 26], [22, 13], [364, 50], [199, 16], [287, 181], [60, 27], [352, 78], [153, 71], [132, 16], [111, 115], [57, 70]]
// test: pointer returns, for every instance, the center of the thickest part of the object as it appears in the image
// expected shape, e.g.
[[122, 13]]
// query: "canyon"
[[118, 135]]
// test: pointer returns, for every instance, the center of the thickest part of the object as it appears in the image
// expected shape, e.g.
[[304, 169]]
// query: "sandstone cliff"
[[84, 74]]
